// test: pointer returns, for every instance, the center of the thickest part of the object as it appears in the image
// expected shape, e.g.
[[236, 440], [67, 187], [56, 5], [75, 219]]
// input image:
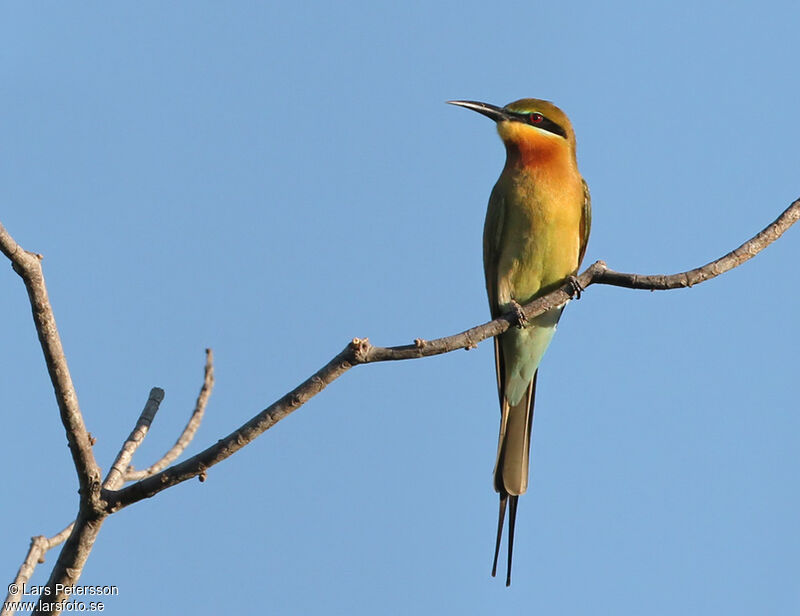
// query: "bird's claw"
[[521, 319], [577, 288]]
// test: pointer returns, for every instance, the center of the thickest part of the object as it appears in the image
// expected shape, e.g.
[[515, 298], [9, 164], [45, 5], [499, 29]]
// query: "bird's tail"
[[511, 469], [512, 520]]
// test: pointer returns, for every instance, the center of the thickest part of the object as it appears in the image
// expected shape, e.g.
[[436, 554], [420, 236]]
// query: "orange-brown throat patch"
[[530, 148]]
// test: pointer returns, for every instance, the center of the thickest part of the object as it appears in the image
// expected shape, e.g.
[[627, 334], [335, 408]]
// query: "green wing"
[[492, 233], [586, 221], [492, 236]]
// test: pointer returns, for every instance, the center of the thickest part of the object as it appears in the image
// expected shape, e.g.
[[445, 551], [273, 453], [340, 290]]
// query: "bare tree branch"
[[71, 561], [39, 547], [28, 265], [188, 432], [711, 270], [360, 351], [116, 475], [88, 526], [82, 534], [227, 446]]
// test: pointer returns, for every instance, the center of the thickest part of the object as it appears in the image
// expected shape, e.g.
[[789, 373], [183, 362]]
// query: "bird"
[[534, 239]]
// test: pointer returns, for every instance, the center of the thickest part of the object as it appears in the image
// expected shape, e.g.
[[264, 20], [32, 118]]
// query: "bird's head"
[[532, 129]]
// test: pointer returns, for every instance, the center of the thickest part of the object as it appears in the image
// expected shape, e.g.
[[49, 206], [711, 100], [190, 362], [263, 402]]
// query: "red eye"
[[536, 118]]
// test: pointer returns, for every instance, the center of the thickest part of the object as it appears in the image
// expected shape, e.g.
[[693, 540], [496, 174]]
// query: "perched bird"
[[534, 239]]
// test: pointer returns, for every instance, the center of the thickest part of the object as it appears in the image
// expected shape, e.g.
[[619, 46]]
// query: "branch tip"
[[360, 348], [189, 431]]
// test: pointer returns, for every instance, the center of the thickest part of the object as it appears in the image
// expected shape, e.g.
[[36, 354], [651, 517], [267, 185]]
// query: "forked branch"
[[188, 432], [86, 528]]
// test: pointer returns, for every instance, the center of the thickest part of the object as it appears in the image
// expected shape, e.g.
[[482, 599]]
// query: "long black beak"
[[490, 111]]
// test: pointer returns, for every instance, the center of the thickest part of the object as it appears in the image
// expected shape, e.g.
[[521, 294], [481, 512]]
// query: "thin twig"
[[188, 432], [734, 258], [116, 475], [197, 465]]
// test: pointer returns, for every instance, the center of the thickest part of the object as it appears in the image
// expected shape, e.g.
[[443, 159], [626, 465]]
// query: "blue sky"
[[273, 179]]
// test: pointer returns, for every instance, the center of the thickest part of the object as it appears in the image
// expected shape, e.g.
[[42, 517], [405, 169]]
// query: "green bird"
[[534, 238]]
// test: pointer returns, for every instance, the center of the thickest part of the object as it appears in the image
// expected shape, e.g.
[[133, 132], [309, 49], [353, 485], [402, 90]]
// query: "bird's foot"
[[521, 319], [577, 288]]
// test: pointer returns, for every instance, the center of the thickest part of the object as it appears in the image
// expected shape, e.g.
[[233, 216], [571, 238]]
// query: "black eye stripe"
[[545, 124]]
